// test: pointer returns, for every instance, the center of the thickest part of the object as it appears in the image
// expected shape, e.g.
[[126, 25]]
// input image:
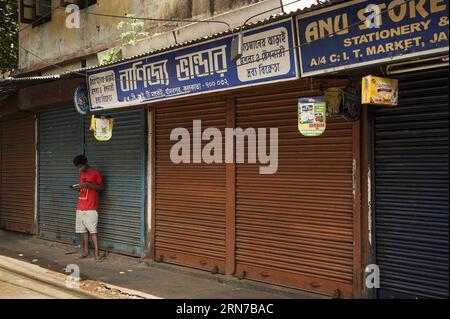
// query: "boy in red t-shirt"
[[91, 183]]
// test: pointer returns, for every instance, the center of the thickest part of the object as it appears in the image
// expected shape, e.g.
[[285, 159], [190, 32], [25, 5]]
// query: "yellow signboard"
[[379, 91]]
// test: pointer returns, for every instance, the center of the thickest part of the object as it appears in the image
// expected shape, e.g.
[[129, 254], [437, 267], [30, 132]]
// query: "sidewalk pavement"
[[138, 278]]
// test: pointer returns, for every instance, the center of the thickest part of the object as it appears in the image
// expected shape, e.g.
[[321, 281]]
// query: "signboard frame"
[[395, 58], [292, 50]]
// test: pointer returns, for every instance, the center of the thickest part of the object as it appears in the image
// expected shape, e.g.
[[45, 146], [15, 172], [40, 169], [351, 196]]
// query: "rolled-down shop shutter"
[[60, 140], [190, 198], [295, 227], [17, 171], [411, 188], [121, 161]]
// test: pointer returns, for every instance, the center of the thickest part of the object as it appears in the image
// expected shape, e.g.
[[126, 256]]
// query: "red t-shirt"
[[88, 198]]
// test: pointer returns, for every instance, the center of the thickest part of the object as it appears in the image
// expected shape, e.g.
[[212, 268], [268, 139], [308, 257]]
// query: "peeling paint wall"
[[53, 42]]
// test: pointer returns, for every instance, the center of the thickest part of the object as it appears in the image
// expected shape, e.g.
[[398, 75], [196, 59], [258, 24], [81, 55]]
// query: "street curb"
[[130, 292], [34, 271]]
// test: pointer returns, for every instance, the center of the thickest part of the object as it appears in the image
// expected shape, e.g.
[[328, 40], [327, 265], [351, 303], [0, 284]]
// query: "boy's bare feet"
[[99, 258]]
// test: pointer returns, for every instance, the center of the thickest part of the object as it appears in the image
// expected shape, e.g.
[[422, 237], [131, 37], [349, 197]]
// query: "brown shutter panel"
[[17, 173], [295, 228], [190, 198]]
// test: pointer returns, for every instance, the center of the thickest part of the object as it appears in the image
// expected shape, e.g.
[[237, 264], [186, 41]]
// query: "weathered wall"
[[52, 42]]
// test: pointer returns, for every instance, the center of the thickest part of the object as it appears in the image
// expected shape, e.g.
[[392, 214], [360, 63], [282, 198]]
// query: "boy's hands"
[[87, 185], [95, 187], [75, 188]]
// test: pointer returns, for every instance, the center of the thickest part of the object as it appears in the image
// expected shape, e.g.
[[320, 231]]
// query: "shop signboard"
[[268, 56], [365, 32]]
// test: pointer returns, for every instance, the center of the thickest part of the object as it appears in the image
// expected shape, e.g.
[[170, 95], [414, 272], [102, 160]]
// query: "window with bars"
[[35, 11], [82, 4], [40, 11]]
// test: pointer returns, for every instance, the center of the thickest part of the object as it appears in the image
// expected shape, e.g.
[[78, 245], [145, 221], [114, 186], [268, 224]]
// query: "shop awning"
[[11, 84]]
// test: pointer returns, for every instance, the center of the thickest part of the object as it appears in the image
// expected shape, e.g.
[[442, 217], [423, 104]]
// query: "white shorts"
[[86, 221]]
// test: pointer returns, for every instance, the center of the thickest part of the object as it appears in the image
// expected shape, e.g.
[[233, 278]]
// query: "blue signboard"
[[363, 32], [268, 56]]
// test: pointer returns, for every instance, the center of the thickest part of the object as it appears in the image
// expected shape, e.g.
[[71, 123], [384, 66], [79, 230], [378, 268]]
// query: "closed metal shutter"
[[60, 140], [411, 188], [17, 177], [190, 198], [121, 162], [295, 227]]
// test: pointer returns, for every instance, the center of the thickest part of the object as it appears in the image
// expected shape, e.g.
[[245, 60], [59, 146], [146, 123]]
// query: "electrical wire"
[[270, 10], [43, 60], [153, 19], [171, 20], [105, 15], [140, 18], [242, 64], [48, 14], [187, 20], [127, 17], [157, 19], [284, 51]]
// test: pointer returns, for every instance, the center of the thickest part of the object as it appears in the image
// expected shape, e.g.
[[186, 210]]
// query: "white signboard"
[[266, 54], [102, 89]]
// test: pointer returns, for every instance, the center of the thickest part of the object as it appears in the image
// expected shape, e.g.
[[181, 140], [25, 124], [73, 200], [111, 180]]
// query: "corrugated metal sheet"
[[190, 198], [13, 84], [252, 23], [17, 172], [295, 227], [121, 161], [60, 140], [411, 188]]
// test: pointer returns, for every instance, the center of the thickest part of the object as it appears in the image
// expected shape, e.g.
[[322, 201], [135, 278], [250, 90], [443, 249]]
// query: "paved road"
[[15, 286]]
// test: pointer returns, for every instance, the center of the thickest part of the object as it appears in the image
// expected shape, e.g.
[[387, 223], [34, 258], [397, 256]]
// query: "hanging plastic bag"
[[333, 98], [351, 106], [92, 126], [102, 127]]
